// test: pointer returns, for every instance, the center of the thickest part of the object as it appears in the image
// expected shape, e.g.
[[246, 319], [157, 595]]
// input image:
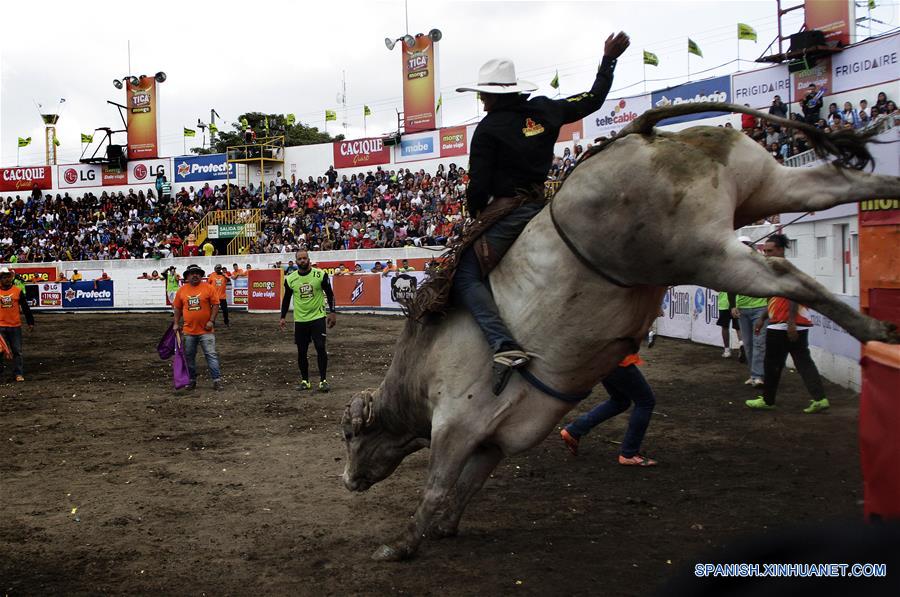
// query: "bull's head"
[[373, 452]]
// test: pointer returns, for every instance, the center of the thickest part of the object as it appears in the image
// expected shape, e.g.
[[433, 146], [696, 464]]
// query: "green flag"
[[650, 58], [266, 124], [746, 32], [55, 141], [440, 102], [693, 48], [367, 111], [871, 4], [290, 119], [189, 132], [24, 142], [87, 138], [213, 129], [244, 123], [555, 82], [330, 115]]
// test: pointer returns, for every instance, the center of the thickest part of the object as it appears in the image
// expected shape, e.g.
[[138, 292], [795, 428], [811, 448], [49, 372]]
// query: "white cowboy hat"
[[499, 76]]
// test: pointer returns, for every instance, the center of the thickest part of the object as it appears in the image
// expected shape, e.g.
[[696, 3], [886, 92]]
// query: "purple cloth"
[[180, 375], [166, 346]]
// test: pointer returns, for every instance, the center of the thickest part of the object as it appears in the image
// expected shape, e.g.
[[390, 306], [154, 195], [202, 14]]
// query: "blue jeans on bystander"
[[208, 343]]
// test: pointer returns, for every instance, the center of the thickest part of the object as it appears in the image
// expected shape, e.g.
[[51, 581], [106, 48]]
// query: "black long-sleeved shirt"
[[512, 147]]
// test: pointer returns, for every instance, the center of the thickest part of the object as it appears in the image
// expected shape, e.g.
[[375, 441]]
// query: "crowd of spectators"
[[378, 209], [783, 144]]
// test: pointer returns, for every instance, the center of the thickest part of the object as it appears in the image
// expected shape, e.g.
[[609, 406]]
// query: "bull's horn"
[[369, 409]]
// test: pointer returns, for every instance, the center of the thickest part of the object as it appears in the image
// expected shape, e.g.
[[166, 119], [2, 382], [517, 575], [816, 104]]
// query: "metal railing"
[[880, 125], [250, 218]]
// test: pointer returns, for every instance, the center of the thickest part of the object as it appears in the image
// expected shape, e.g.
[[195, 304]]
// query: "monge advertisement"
[[203, 168], [710, 90]]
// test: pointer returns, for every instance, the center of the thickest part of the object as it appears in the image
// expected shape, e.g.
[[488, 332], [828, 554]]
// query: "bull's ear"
[[356, 411], [369, 408]]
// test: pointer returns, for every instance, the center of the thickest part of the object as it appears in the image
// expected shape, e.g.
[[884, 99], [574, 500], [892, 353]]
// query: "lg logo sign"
[[72, 176], [142, 171]]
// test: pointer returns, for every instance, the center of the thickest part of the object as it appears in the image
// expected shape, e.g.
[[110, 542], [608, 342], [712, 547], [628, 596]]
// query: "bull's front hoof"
[[443, 531], [386, 553]]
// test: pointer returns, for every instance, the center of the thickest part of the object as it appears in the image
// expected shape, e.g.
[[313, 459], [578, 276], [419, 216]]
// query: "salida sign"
[[24, 179], [361, 152]]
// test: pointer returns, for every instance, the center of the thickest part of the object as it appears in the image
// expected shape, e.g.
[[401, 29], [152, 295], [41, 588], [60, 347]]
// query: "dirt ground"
[[112, 483]]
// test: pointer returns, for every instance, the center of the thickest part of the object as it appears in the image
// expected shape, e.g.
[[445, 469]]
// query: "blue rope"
[[537, 383]]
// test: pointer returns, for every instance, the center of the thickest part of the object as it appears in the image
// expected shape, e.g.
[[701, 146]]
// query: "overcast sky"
[[289, 56]]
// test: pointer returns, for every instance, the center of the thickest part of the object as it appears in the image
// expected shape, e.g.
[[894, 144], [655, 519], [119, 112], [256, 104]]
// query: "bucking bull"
[[582, 285]]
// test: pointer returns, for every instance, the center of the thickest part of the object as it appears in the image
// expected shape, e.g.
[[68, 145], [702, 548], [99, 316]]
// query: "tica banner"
[[143, 119], [264, 289], [361, 152], [24, 179], [834, 18], [420, 84]]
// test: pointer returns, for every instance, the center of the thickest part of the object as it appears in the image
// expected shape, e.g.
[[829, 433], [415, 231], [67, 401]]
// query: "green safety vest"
[[171, 283], [309, 298], [750, 302]]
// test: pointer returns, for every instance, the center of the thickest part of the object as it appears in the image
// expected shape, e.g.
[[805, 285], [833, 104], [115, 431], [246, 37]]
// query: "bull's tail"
[[848, 147]]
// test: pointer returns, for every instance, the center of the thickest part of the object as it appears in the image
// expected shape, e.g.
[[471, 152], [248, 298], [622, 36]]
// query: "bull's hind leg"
[[813, 189], [449, 453], [477, 470], [747, 272]]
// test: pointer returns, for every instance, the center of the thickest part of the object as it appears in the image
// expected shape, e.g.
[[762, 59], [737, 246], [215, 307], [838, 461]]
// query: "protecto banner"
[[758, 87], [361, 152], [203, 168], [421, 146], [867, 64], [420, 85], [87, 295], [834, 18], [73, 176], [264, 289], [613, 115], [717, 89], [143, 119], [24, 179], [454, 141], [145, 171]]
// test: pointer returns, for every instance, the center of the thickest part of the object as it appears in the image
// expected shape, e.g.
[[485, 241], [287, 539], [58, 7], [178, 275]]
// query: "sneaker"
[[323, 386], [759, 403], [217, 385], [742, 357], [571, 441], [726, 354], [817, 406], [304, 385], [748, 381], [757, 382], [651, 339], [637, 460], [20, 378]]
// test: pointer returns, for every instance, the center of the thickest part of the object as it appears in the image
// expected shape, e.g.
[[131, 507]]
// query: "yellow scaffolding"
[[266, 151], [249, 219]]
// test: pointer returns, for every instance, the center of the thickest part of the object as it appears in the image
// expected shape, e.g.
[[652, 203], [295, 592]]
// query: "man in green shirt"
[[172, 283], [309, 288]]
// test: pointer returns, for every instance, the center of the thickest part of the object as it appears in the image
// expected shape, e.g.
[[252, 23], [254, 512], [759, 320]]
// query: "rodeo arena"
[[612, 340]]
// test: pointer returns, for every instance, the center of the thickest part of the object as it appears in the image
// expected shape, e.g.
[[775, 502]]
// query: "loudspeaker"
[[114, 152], [806, 39]]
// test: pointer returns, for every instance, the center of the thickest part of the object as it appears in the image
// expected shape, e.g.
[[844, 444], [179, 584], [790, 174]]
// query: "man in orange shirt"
[[219, 281], [12, 298], [197, 304]]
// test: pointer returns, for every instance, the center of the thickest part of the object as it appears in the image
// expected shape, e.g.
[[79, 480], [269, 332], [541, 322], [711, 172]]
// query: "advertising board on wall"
[[613, 115], [32, 274], [867, 64], [23, 179], [264, 289], [47, 295], [142, 106], [203, 168], [420, 85], [74, 176], [454, 141], [145, 171], [88, 295], [421, 146], [758, 87], [354, 153], [717, 89]]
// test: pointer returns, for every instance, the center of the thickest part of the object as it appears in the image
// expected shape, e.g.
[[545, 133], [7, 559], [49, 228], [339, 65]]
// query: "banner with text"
[[867, 64], [454, 141], [420, 85], [44, 296], [74, 176], [834, 18], [33, 274], [87, 295], [143, 119], [758, 87], [22, 180], [421, 146], [361, 152], [717, 89], [264, 289], [145, 171], [203, 168], [613, 115]]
